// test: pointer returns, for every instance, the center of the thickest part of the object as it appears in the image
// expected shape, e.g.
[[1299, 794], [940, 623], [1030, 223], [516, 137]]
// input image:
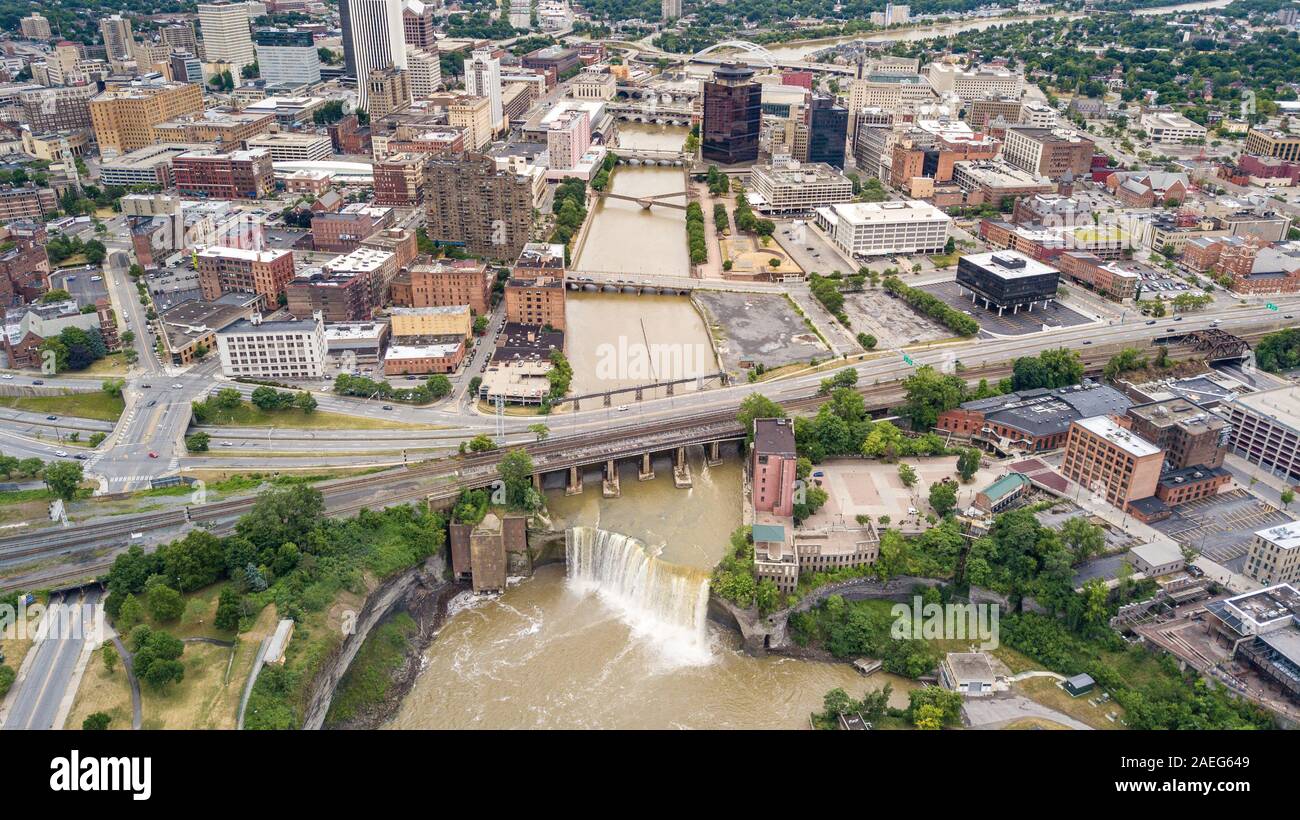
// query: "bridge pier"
[[638, 394], [574, 486], [647, 471], [713, 456], [681, 470], [577, 405], [607, 400], [537, 482], [670, 388], [609, 486]]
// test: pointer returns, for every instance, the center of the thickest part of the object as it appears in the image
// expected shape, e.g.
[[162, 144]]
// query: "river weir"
[[661, 602]]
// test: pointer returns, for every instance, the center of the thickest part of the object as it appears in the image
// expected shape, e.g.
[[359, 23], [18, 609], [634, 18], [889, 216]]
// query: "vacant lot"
[[246, 415], [102, 691], [890, 320], [754, 327]]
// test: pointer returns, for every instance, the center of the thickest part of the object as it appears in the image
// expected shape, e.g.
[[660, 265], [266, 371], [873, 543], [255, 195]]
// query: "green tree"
[[164, 603], [757, 406], [129, 614], [110, 658], [63, 478], [1083, 538], [1287, 496], [968, 463], [198, 442], [516, 471], [930, 393], [96, 721], [943, 497], [541, 431], [907, 475], [482, 443], [229, 609]]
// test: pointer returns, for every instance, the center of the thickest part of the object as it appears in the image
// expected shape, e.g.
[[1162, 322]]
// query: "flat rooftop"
[[1009, 264], [1128, 441], [1281, 404], [1180, 412], [1284, 536], [909, 210]]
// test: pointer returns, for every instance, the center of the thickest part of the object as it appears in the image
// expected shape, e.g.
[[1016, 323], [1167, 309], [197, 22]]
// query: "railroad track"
[[460, 468]]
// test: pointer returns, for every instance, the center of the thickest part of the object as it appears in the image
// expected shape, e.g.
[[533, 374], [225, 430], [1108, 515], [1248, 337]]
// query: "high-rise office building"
[[425, 70], [388, 91], [483, 78], [829, 128], [417, 23], [287, 56], [373, 40], [670, 9], [227, 37], [116, 31], [732, 114]]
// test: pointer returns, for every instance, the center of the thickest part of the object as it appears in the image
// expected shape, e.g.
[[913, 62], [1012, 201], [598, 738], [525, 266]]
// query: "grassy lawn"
[[196, 622], [102, 691], [97, 405], [246, 415], [114, 364], [199, 701], [944, 260], [1047, 692]]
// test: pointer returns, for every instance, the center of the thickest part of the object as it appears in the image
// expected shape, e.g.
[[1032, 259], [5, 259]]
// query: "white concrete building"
[[483, 79], [1168, 127], [1039, 115], [974, 84], [287, 56], [424, 71], [377, 38], [792, 187], [227, 37], [273, 350], [863, 229], [289, 146]]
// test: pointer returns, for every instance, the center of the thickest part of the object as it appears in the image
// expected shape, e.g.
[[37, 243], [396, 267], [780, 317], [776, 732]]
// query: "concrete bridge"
[[594, 281], [651, 112], [651, 156], [607, 397], [648, 200]]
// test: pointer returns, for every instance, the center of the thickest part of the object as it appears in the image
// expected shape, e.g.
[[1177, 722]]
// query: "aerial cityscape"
[[620, 364]]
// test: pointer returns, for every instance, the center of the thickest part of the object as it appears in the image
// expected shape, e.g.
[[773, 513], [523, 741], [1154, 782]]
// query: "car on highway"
[[388, 407], [1087, 341], [51, 418], [226, 444], [151, 403], [6, 376], [1151, 321], [152, 454], [623, 409], [177, 386], [97, 279], [145, 386], [38, 381], [1178, 318], [80, 456], [61, 453]]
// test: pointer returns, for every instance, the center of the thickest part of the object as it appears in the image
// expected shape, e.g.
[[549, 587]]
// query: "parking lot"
[[86, 284], [823, 258], [1008, 324], [1221, 526]]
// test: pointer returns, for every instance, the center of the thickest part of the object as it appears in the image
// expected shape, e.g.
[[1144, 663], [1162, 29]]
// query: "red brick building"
[[236, 175], [237, 270], [446, 282]]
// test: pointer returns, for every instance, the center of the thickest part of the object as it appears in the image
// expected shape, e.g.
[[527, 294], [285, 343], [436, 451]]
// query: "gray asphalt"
[[36, 704]]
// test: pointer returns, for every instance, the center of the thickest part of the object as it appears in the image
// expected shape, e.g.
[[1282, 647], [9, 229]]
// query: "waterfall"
[[662, 602]]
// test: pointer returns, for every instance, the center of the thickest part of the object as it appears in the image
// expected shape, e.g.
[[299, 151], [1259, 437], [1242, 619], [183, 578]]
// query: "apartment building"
[[881, 228], [793, 187], [1266, 430], [35, 27], [65, 108], [338, 297], [1111, 461], [236, 175], [446, 282], [344, 230], [1047, 152], [291, 349], [375, 266], [238, 270], [1274, 555], [27, 203], [399, 179], [123, 116], [484, 206]]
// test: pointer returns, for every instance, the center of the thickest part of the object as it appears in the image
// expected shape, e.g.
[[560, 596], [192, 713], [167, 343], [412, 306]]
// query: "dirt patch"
[[753, 328], [890, 320]]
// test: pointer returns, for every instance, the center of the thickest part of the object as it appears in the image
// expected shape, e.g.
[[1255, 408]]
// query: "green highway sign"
[[908, 359], [1271, 306]]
